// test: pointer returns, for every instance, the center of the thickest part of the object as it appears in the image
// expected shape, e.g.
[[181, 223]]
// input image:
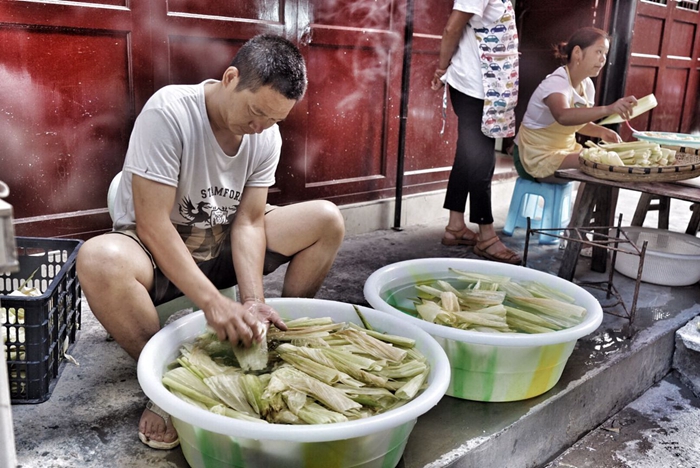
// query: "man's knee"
[[107, 256], [293, 228], [332, 219], [93, 254]]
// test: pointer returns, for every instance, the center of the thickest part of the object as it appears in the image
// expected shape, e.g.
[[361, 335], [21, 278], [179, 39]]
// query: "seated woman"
[[562, 105]]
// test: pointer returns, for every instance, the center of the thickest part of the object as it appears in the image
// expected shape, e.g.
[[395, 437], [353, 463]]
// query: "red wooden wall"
[[665, 59], [544, 23], [75, 74]]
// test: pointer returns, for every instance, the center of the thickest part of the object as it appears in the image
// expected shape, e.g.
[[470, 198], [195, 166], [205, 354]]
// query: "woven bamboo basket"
[[687, 166]]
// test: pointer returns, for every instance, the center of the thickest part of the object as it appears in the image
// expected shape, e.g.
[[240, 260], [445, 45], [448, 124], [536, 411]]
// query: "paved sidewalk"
[[92, 416]]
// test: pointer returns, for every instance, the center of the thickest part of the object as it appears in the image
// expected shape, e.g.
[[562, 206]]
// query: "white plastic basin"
[[211, 440], [671, 258], [490, 366]]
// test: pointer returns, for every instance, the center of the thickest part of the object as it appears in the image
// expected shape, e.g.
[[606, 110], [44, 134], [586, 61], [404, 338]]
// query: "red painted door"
[[72, 73], [76, 74], [341, 142], [664, 59], [428, 153]]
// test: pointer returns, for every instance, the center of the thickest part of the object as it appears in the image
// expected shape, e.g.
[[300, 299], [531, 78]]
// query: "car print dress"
[[498, 44]]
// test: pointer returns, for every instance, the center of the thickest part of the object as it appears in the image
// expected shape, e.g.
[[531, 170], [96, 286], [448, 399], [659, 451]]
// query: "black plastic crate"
[[39, 329]]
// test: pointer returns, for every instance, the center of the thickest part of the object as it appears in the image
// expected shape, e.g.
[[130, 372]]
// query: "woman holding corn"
[[562, 105]]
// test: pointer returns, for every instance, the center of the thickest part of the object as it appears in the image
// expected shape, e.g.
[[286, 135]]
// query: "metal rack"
[[600, 238]]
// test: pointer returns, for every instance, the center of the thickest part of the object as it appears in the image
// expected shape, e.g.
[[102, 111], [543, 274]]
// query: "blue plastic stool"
[[525, 203]]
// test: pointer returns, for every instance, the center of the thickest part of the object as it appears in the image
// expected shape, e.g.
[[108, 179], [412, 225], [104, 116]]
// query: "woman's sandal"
[[459, 238], [155, 444], [505, 256]]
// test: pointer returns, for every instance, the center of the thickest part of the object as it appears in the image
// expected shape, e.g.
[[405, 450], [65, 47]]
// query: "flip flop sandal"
[[459, 237], [155, 444], [507, 256]]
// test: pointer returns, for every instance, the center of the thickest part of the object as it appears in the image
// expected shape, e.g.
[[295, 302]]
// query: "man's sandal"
[[459, 238], [505, 256], [155, 444]]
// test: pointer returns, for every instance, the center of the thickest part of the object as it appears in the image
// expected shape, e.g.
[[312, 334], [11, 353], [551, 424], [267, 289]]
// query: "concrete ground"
[[657, 430], [618, 386]]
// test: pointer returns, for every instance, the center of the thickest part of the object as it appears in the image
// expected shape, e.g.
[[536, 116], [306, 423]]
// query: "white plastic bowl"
[[490, 366], [671, 258], [210, 440]]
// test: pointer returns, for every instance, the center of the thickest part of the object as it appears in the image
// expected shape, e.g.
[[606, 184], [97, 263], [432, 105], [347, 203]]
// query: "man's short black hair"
[[270, 60]]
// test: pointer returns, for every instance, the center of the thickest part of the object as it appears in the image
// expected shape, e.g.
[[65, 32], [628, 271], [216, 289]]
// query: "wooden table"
[[596, 203]]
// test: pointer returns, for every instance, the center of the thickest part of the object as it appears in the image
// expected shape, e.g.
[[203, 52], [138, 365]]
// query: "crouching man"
[[190, 215]]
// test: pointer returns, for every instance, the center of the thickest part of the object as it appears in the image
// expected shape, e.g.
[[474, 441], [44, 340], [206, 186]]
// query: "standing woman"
[[479, 62], [561, 106]]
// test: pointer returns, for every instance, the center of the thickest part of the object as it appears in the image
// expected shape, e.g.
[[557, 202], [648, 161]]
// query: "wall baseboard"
[[419, 209]]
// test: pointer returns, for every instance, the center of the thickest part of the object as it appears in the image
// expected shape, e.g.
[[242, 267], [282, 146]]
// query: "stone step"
[[686, 360], [658, 429]]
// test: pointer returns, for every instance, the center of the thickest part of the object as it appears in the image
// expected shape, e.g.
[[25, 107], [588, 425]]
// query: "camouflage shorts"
[[212, 252]]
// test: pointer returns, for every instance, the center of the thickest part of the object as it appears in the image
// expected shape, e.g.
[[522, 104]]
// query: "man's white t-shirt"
[[464, 73], [173, 143], [538, 114]]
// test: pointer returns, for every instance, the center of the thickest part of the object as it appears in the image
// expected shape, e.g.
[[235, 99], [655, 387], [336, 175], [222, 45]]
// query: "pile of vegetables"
[[634, 153], [16, 334], [16, 316], [316, 372], [496, 304], [12, 316]]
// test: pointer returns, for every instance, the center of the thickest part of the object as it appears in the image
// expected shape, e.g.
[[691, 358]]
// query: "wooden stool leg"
[[664, 210], [694, 223], [604, 216], [581, 216], [645, 205], [642, 207]]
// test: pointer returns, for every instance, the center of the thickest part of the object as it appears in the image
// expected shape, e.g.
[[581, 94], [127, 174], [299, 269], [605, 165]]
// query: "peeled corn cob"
[[523, 306], [634, 153], [316, 372]]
